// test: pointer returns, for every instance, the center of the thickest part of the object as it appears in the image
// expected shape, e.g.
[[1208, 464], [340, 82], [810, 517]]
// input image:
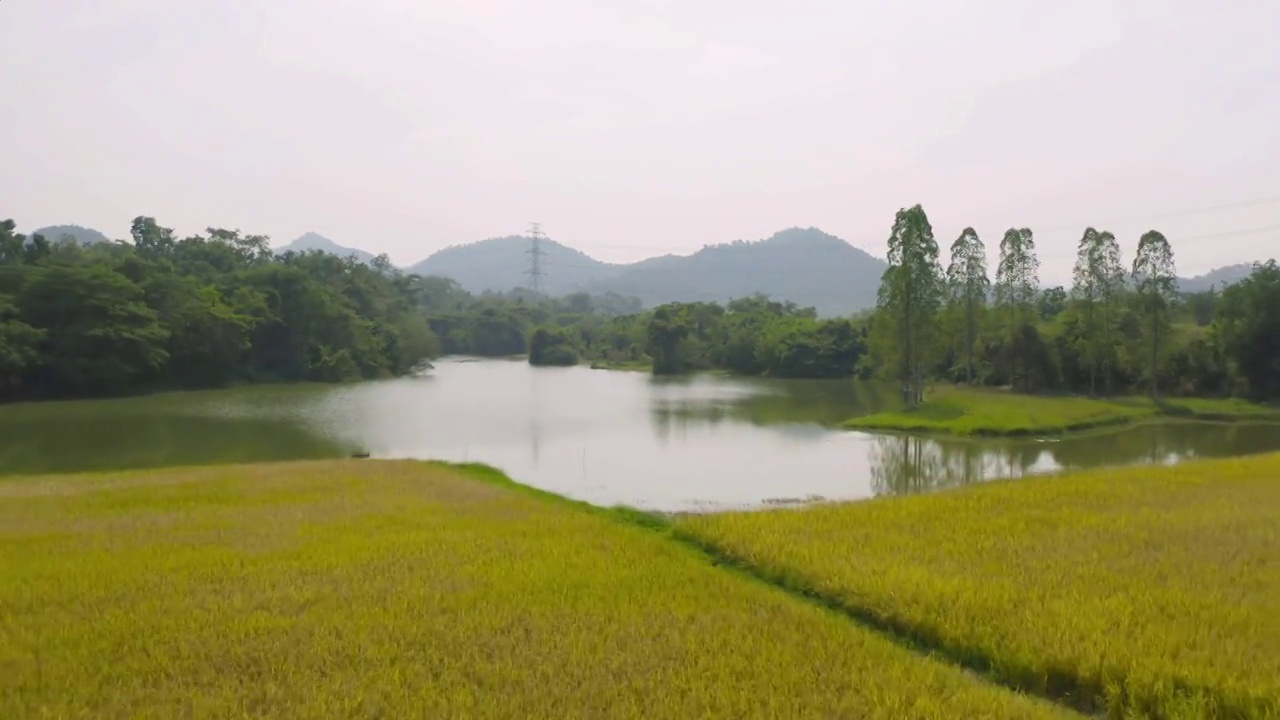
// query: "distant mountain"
[[806, 266], [82, 235], [1218, 278], [315, 241], [501, 264]]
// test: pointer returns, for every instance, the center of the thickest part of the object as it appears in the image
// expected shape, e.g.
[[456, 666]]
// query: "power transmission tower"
[[535, 257]]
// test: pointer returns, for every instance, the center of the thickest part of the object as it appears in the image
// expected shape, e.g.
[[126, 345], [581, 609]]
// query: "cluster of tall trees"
[[200, 311], [1119, 327]]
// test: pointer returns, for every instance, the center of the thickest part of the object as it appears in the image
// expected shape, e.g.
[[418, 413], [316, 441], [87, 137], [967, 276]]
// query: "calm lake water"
[[698, 443]]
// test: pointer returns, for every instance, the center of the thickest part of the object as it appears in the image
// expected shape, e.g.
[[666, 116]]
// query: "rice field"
[[400, 589], [1143, 592]]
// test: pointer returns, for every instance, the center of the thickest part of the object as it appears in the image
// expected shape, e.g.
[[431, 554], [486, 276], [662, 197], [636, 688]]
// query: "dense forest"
[[203, 311]]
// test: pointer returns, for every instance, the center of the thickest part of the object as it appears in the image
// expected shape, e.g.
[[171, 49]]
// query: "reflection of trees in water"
[[678, 415], [780, 402], [662, 420], [1155, 443], [681, 415], [535, 436], [904, 464], [824, 402]]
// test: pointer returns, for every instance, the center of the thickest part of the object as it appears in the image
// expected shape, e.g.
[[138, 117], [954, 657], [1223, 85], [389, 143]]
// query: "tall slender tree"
[[1085, 288], [909, 298], [968, 285], [1016, 288], [1155, 279], [1098, 285], [1110, 296]]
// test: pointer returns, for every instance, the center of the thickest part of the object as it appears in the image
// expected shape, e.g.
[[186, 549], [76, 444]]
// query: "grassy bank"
[[1151, 591], [401, 589], [965, 411]]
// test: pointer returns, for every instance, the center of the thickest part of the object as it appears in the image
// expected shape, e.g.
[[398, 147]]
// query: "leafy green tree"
[[1111, 300], [551, 346], [667, 334], [968, 287], [1098, 290], [909, 298], [1249, 323], [1017, 285], [1053, 301], [1155, 279], [1202, 306], [198, 312], [1087, 290], [99, 335], [150, 239], [19, 346]]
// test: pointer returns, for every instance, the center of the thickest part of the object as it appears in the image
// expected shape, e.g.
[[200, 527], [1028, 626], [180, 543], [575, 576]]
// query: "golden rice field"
[[400, 589], [1147, 592]]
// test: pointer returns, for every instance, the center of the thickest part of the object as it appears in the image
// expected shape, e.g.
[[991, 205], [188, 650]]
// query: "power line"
[[535, 257], [1176, 241], [1162, 216]]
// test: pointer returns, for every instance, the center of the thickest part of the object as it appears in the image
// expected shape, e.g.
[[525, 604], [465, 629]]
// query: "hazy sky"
[[634, 129]]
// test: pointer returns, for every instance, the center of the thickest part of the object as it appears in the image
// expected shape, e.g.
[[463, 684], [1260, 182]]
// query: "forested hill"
[[315, 241], [1216, 279], [502, 264], [82, 235], [804, 266]]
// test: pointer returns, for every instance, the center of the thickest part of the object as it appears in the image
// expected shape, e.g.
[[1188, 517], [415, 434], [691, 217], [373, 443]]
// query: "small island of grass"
[[981, 412]]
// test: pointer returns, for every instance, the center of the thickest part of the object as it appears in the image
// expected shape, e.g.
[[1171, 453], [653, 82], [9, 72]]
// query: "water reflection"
[[691, 443], [902, 465], [907, 464]]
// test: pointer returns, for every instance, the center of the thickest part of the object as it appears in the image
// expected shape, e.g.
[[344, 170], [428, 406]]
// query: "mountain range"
[[1218, 278], [804, 265]]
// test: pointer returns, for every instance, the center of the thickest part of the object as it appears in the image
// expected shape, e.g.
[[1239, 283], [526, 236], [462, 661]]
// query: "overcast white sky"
[[634, 129]]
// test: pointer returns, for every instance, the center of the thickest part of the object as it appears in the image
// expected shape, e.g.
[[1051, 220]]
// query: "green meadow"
[[988, 412]]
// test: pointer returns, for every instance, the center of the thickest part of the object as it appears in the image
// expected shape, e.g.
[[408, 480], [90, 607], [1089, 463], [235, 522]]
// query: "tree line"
[[201, 311], [221, 308], [1121, 327], [752, 335]]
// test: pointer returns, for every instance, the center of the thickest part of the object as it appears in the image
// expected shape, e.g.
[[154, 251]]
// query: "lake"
[[703, 442]]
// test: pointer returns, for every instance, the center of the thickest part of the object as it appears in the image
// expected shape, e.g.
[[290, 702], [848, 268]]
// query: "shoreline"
[[983, 414]]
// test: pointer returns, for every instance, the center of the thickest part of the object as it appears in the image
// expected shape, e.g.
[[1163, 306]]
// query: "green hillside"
[[316, 241], [806, 266], [82, 235]]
